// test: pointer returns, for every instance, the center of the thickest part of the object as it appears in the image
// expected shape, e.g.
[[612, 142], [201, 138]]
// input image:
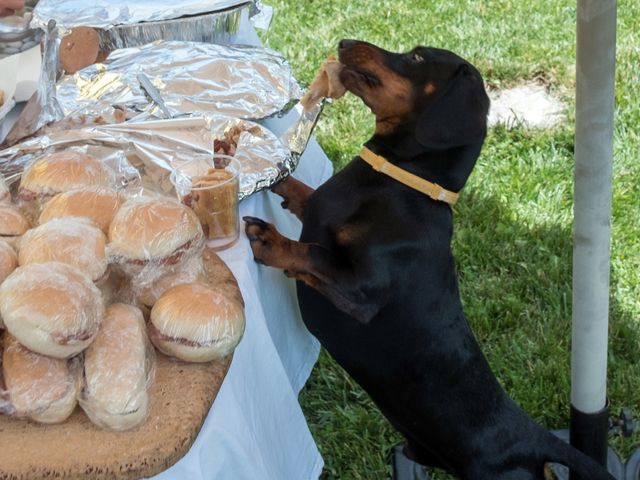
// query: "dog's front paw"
[[264, 239]]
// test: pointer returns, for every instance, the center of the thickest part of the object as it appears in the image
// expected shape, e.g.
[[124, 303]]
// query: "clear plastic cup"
[[209, 184]]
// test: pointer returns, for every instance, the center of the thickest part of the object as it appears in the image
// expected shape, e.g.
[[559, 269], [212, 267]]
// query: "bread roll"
[[41, 388], [8, 263], [51, 308], [61, 172], [191, 272], [75, 241], [116, 370], [12, 224], [196, 323], [153, 230], [98, 204]]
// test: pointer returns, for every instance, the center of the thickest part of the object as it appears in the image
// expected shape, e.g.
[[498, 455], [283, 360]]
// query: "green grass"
[[514, 221]]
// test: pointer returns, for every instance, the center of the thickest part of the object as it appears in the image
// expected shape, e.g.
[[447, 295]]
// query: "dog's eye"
[[416, 57]]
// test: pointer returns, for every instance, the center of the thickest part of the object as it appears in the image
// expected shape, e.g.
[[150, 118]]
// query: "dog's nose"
[[345, 43]]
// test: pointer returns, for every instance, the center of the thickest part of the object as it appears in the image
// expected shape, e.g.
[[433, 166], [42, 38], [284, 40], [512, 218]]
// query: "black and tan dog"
[[376, 277]]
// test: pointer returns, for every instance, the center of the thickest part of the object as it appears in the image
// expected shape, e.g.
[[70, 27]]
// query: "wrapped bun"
[[98, 204], [75, 241], [51, 308], [5, 195], [61, 172], [158, 231], [41, 388], [8, 263], [12, 224], [117, 370], [196, 323], [192, 271]]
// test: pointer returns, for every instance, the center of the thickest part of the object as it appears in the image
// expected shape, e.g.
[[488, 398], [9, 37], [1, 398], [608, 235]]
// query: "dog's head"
[[433, 93]]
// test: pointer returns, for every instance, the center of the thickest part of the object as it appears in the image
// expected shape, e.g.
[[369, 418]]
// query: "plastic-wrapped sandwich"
[[51, 308], [41, 388], [98, 204], [118, 369], [192, 271], [152, 235], [75, 241], [196, 323], [12, 224], [60, 172]]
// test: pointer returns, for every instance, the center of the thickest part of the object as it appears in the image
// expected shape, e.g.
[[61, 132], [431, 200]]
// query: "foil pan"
[[105, 14], [154, 148], [192, 77]]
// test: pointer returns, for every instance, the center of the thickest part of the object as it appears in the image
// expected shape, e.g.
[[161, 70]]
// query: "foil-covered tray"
[[106, 14], [192, 77], [154, 148]]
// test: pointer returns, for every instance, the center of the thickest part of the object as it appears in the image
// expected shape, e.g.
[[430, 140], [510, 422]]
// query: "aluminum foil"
[[240, 81], [105, 14], [154, 147]]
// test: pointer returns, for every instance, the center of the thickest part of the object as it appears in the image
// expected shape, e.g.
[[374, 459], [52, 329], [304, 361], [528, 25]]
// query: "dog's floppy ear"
[[458, 116]]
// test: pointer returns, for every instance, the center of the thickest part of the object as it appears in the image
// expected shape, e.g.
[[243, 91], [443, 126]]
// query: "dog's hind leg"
[[295, 195]]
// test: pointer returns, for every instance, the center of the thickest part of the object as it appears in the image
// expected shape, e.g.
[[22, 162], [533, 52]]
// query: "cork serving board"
[[181, 396]]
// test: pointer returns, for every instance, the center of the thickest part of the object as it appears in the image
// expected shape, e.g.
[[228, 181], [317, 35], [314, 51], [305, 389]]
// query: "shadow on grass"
[[515, 283]]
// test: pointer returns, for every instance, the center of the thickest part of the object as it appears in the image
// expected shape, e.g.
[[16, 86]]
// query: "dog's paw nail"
[[255, 221], [285, 204]]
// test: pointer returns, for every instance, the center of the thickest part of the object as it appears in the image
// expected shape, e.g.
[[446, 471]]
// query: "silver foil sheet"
[[192, 77], [105, 14], [149, 150]]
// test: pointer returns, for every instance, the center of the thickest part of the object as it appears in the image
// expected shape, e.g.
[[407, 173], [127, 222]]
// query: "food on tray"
[[229, 143], [51, 308], [155, 231], [61, 172], [75, 241], [116, 370], [12, 223], [99, 204], [8, 263], [5, 194], [327, 83], [196, 323], [214, 199], [191, 271], [41, 388], [79, 49]]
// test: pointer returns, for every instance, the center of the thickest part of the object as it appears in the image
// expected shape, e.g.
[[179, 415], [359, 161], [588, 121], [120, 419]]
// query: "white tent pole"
[[595, 79]]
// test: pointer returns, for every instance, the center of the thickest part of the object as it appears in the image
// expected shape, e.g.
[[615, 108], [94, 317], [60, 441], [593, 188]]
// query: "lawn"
[[513, 224]]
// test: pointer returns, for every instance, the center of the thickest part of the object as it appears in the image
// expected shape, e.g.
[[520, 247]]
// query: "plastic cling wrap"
[[75, 241], [196, 323], [98, 204], [118, 370], [51, 308], [41, 388], [150, 234]]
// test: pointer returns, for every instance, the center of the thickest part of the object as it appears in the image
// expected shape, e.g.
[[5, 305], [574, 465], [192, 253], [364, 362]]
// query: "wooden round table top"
[[181, 396]]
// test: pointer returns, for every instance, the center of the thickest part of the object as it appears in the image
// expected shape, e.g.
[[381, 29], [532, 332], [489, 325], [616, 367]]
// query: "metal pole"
[[595, 78]]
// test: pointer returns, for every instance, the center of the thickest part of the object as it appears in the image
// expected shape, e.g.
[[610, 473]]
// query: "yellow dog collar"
[[433, 190]]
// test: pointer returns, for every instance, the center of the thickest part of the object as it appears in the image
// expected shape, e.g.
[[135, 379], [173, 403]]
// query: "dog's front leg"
[[295, 195], [313, 265]]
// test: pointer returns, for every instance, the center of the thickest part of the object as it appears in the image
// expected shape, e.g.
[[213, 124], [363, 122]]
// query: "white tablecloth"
[[255, 429]]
